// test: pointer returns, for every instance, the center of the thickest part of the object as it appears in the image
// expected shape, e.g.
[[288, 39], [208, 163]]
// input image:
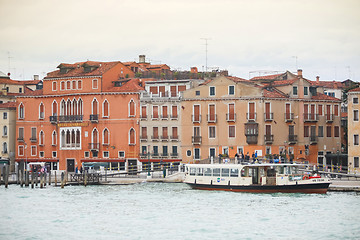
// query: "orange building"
[[229, 115], [85, 112]]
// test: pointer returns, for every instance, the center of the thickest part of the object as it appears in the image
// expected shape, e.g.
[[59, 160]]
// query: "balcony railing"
[[20, 139], [70, 145], [174, 155], [268, 139], [70, 118], [143, 138], [313, 139], [196, 118], [289, 117], [154, 117], [155, 138], [252, 139], [231, 117], [94, 117], [94, 146], [268, 116], [143, 117], [164, 138], [251, 117], [292, 139], [155, 154], [196, 139], [211, 118], [174, 117], [33, 139], [311, 117], [164, 155], [53, 119], [164, 117], [174, 138], [329, 117]]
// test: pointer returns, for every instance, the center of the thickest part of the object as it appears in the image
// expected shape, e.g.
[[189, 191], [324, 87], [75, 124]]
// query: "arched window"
[[4, 147], [106, 108], [54, 138], [21, 111], [131, 108], [106, 137], [74, 107], [54, 108], [78, 138], [5, 131], [41, 111], [80, 106], [68, 137], [73, 138], [63, 137], [41, 138], [68, 107], [68, 85], [62, 108], [132, 137], [95, 139], [94, 108]]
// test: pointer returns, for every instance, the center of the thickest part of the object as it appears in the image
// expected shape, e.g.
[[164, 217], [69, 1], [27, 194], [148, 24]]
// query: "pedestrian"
[[237, 157]]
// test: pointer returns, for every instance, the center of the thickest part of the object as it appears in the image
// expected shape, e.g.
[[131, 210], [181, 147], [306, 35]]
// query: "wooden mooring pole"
[[85, 178], [0, 175], [26, 178], [32, 179], [41, 180], [62, 179], [49, 177], [55, 180], [6, 179]]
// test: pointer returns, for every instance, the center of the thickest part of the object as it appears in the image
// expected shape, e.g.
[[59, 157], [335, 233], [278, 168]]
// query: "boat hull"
[[298, 188]]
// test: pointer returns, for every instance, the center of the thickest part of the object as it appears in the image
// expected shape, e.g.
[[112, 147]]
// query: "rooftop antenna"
[[206, 44], [296, 62], [9, 60]]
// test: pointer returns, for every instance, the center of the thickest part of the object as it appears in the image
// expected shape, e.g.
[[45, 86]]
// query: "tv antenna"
[[206, 44]]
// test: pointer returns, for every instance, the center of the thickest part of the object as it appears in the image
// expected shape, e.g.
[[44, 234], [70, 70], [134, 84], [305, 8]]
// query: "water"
[[173, 211]]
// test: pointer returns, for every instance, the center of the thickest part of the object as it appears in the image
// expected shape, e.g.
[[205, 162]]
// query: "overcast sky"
[[322, 37]]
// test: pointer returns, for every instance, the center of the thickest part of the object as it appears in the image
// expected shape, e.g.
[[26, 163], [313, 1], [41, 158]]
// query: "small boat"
[[259, 178]]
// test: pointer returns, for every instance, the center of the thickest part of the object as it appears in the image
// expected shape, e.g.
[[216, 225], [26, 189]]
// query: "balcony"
[[155, 138], [211, 118], [143, 117], [164, 138], [268, 139], [144, 155], [289, 117], [94, 118], [231, 117], [164, 117], [292, 139], [174, 117], [196, 139], [196, 118], [329, 118], [311, 117], [143, 138], [154, 117], [33, 139], [20, 139], [268, 117], [251, 117], [70, 118], [164, 155], [70, 145], [313, 139], [156, 155], [174, 155], [174, 138], [53, 119], [94, 146], [251, 139]]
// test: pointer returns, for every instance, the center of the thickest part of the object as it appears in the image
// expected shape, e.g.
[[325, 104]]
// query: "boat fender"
[[211, 182], [229, 183], [195, 181], [305, 177]]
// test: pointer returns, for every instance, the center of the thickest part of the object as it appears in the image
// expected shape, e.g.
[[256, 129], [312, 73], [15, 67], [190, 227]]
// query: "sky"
[[246, 37]]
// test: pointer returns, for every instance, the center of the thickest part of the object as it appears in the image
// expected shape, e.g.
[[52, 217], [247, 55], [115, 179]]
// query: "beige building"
[[353, 130], [231, 115], [8, 129]]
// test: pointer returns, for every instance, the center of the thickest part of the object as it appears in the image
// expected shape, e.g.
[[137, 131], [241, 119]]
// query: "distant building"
[[353, 130]]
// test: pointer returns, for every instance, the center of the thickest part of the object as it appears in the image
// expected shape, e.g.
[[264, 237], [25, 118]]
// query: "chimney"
[[36, 77], [299, 73], [317, 79], [141, 58]]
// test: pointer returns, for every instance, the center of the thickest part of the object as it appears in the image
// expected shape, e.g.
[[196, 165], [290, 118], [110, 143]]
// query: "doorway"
[[70, 165]]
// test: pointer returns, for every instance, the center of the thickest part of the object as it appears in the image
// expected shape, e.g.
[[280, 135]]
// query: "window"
[[212, 91], [306, 91], [355, 100], [336, 131], [105, 154], [320, 131], [54, 85], [197, 93], [74, 85], [54, 154], [174, 111], [356, 162], [68, 85], [212, 131], [295, 90], [132, 137], [356, 139], [174, 151], [197, 153], [143, 112], [33, 150], [41, 154], [320, 110], [131, 108], [21, 134], [79, 84], [328, 131], [21, 150], [5, 131], [41, 111], [155, 112], [5, 115], [188, 153], [62, 85], [5, 147], [94, 83], [41, 138], [306, 131], [33, 133], [106, 109], [106, 137], [356, 115], [164, 112], [21, 111], [336, 110], [20, 90], [165, 151], [53, 138], [231, 90], [231, 131]]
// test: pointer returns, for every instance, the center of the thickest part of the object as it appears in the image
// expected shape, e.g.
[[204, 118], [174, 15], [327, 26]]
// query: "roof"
[[8, 105], [355, 90], [10, 82], [327, 84], [133, 85], [30, 92], [267, 77], [274, 93], [77, 69], [321, 96], [237, 79], [3, 75], [31, 82]]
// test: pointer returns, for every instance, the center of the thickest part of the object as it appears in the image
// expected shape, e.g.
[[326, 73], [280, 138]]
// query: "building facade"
[[353, 130]]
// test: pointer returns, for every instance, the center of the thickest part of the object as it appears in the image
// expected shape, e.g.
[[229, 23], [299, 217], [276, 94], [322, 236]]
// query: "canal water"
[[173, 211]]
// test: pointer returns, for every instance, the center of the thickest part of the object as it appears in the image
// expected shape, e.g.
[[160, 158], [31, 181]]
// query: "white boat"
[[265, 178]]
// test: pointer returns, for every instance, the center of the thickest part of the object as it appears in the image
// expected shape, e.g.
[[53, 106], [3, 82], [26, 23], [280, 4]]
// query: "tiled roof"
[[157, 66], [11, 82], [31, 82], [30, 92], [273, 93], [237, 79], [267, 77], [327, 84], [321, 96], [282, 82], [133, 85], [355, 90], [8, 105], [77, 69]]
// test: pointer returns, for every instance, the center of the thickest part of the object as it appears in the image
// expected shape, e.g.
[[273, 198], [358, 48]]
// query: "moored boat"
[[264, 178]]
